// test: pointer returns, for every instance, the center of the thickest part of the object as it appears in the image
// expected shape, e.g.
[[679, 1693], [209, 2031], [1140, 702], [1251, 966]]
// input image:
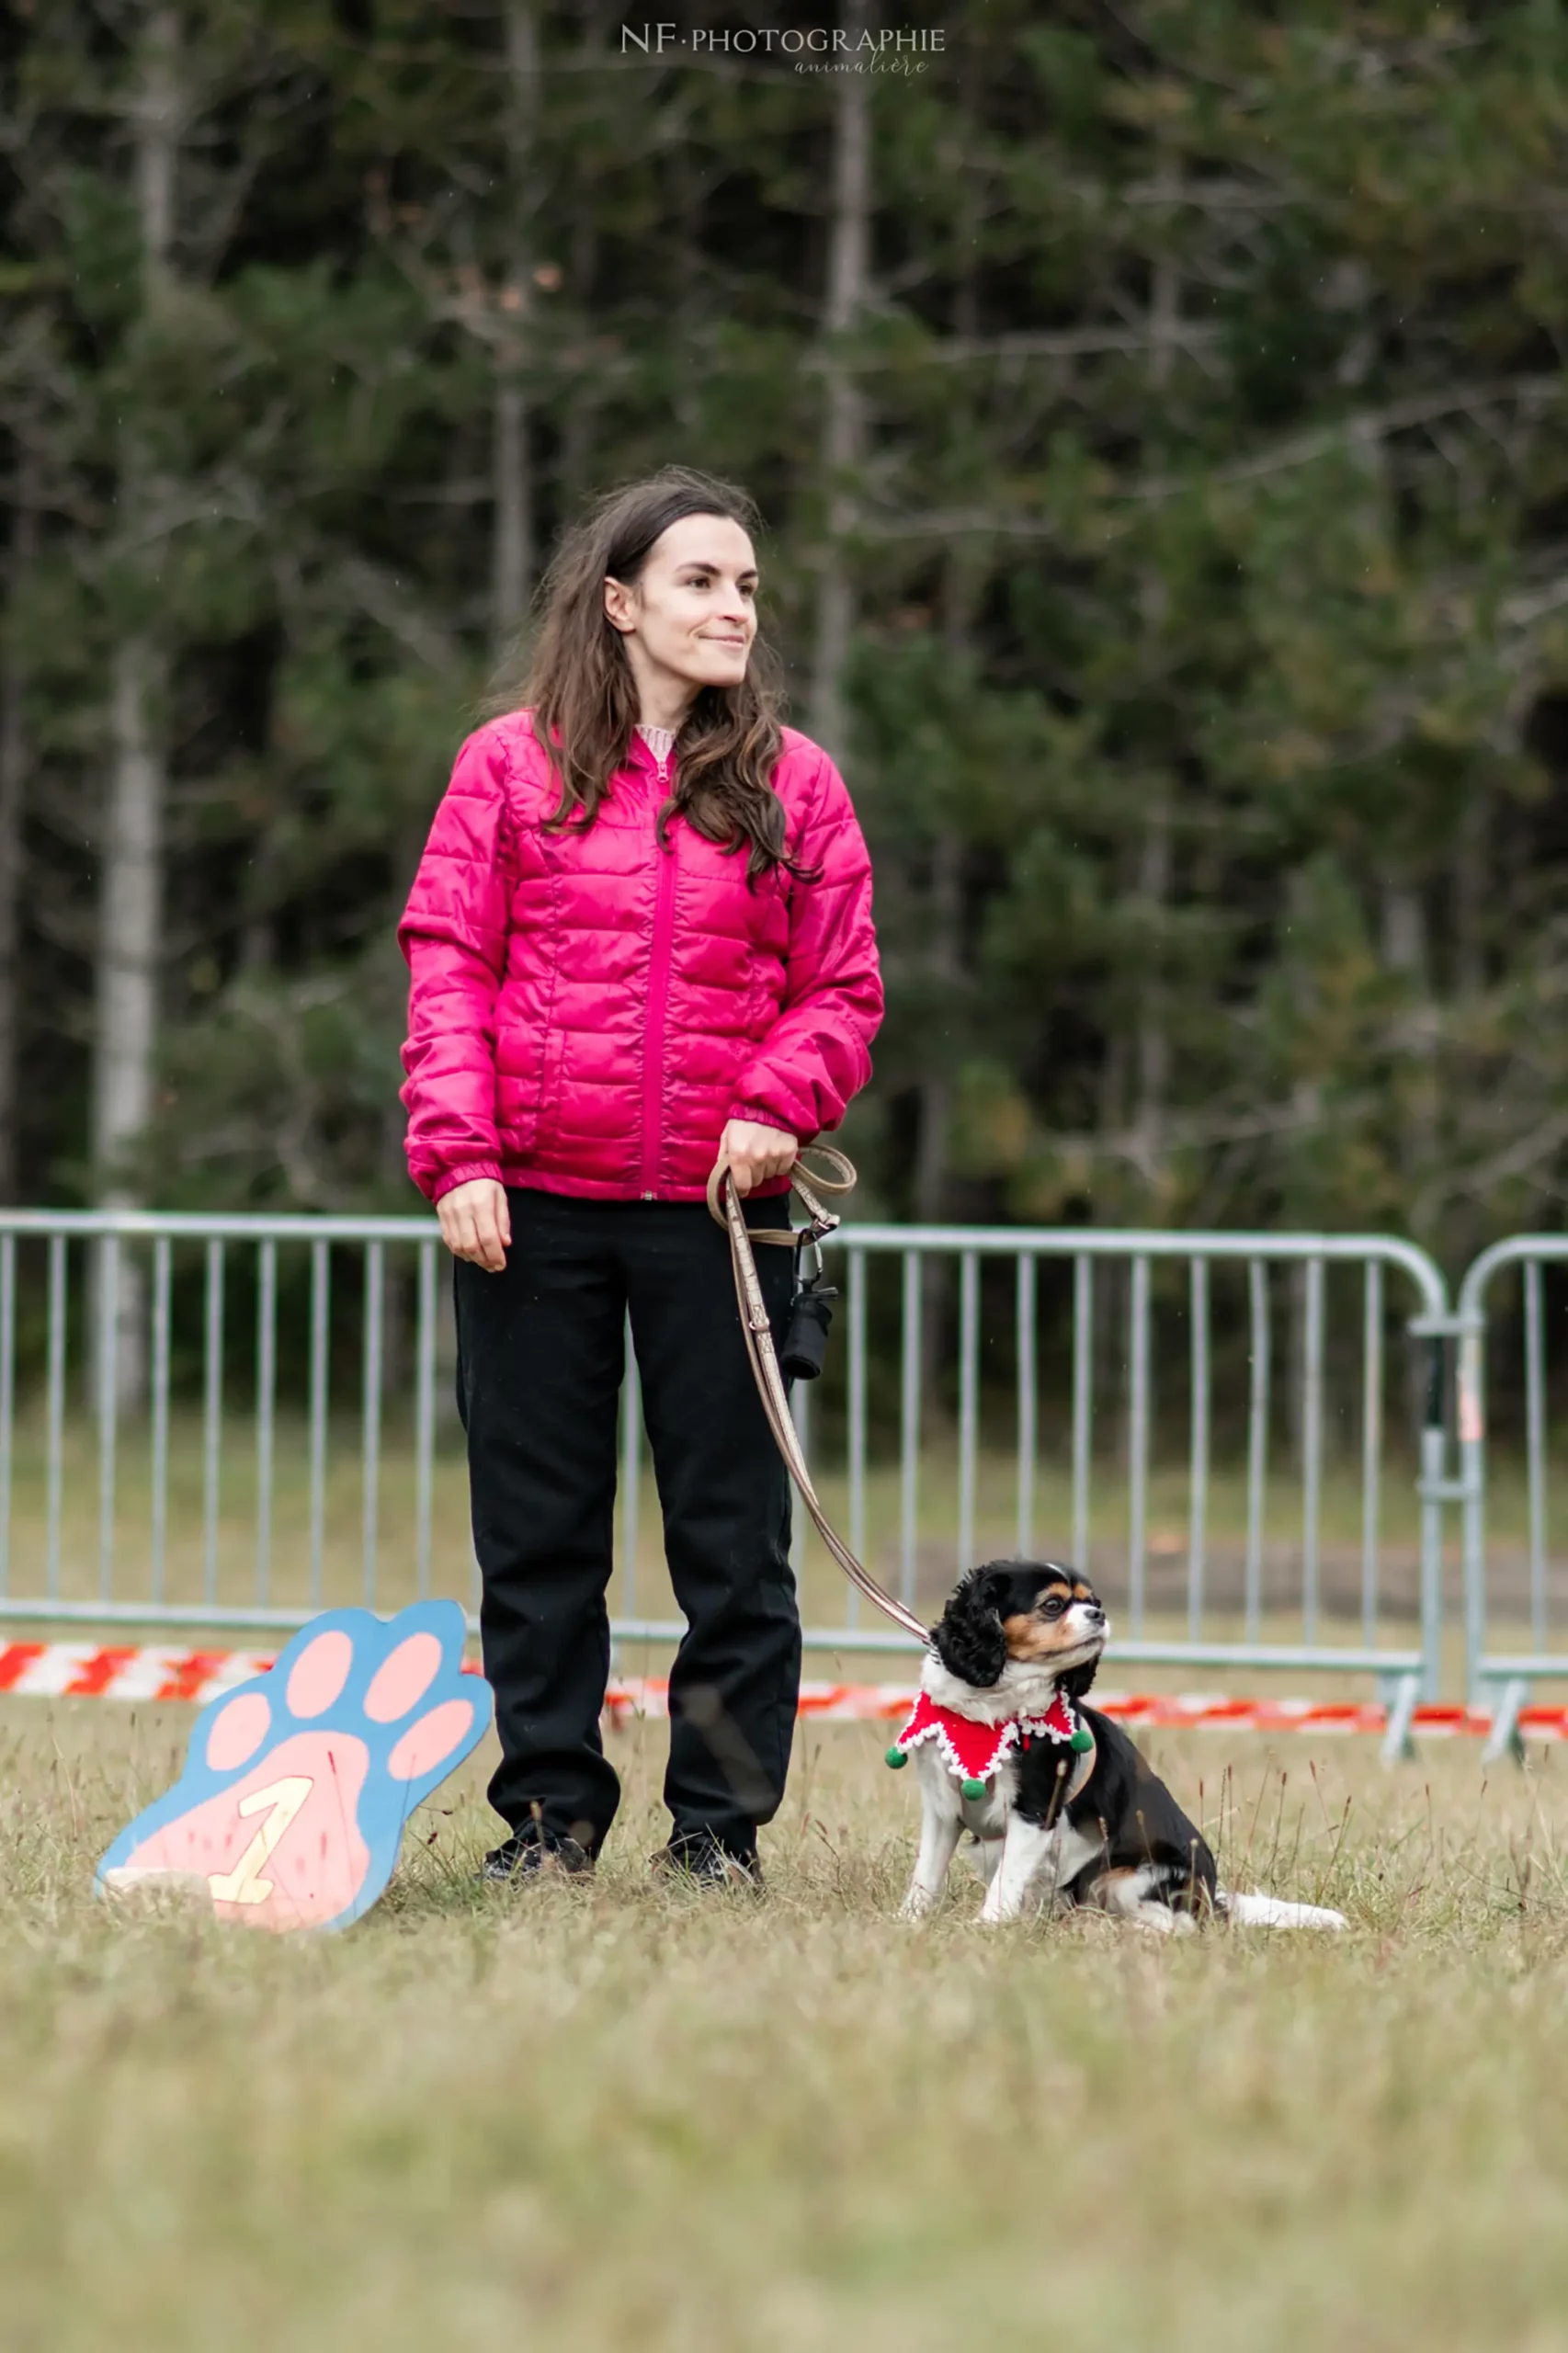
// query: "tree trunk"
[[130, 894], [1152, 1056], [512, 559], [1405, 946], [131, 889], [934, 1149], [157, 119], [129, 938], [844, 416], [579, 426], [511, 546], [1471, 864], [1404, 949], [129, 913], [942, 932], [1153, 1042], [1164, 289], [13, 793]]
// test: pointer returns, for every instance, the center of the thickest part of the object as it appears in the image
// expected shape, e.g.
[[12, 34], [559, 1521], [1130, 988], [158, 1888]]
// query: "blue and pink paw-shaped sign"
[[291, 1808]]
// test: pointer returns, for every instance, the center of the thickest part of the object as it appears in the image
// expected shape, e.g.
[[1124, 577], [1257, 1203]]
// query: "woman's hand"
[[755, 1153], [476, 1222]]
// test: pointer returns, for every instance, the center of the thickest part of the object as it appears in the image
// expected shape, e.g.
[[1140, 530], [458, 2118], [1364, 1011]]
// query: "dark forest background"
[[1159, 412]]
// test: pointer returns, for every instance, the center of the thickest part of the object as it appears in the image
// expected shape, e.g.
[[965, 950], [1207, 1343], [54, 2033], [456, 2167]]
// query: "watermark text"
[[813, 49]]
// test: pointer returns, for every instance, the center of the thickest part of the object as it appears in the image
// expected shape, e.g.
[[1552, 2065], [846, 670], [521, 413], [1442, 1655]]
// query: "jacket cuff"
[[465, 1173], [764, 1116]]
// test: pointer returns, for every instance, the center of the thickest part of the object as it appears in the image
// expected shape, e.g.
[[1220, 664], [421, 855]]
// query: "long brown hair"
[[583, 699]]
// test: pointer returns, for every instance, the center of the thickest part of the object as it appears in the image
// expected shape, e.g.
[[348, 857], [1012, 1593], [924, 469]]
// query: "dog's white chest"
[[986, 1816]]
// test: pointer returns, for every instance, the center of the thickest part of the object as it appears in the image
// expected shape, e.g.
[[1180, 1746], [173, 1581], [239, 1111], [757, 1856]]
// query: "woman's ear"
[[620, 606], [968, 1636]]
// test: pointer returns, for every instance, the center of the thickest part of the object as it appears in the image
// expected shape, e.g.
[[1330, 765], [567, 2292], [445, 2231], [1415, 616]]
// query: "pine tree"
[[1159, 418]]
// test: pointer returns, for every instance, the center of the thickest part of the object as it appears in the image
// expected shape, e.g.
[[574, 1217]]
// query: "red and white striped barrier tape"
[[166, 1671], [127, 1671], [1172, 1712], [124, 1671]]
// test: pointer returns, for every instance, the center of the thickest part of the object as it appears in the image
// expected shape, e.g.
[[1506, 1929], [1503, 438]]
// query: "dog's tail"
[[1272, 1912]]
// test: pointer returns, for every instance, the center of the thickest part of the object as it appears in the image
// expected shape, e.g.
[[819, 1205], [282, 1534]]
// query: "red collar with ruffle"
[[973, 1752]]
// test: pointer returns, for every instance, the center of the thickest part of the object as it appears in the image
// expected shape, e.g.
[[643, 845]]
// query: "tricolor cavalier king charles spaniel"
[[1063, 1809]]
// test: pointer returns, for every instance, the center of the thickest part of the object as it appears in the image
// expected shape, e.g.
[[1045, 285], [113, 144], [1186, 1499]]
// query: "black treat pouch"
[[805, 1334]]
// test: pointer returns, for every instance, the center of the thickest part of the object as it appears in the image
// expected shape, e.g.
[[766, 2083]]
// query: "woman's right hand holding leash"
[[753, 1152]]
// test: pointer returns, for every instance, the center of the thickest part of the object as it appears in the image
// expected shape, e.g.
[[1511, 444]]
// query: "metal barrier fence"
[[178, 1334], [1501, 1679], [1175, 1628]]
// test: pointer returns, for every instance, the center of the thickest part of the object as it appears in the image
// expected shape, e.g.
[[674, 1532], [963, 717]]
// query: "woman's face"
[[689, 620]]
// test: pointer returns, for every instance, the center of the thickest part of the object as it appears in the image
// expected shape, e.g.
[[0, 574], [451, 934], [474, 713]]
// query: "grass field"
[[614, 2116]]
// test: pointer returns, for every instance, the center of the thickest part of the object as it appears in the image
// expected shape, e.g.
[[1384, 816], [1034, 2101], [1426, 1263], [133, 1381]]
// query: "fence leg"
[[1434, 1464], [1502, 1740], [1400, 1694]]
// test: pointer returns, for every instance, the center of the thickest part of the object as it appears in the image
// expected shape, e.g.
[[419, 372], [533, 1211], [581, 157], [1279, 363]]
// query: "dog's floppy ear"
[[968, 1636], [1077, 1679]]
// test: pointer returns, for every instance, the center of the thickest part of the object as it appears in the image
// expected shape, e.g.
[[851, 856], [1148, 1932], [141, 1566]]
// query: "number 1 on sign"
[[280, 1801]]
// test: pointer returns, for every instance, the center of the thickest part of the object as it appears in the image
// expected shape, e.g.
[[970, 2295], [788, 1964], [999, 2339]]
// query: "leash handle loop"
[[824, 1221]]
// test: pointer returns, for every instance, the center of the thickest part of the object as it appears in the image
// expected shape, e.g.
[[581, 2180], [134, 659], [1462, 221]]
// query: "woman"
[[639, 938]]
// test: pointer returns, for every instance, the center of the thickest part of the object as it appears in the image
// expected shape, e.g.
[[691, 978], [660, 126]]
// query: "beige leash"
[[725, 1208], [724, 1204]]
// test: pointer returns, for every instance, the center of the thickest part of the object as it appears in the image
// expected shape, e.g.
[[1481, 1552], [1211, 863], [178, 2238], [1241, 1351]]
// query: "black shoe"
[[705, 1861], [527, 1855]]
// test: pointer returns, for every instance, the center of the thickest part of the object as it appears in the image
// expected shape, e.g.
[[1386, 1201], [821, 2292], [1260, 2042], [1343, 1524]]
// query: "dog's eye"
[[1053, 1608]]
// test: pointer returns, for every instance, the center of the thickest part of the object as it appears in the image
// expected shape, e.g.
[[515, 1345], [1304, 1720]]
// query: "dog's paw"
[[918, 1904], [289, 1810], [997, 1915]]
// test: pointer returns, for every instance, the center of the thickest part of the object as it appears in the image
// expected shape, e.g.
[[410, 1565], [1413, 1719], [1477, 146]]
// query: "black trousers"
[[541, 1353]]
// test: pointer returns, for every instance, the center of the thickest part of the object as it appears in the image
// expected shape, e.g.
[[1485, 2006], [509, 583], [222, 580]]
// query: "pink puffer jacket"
[[587, 1012]]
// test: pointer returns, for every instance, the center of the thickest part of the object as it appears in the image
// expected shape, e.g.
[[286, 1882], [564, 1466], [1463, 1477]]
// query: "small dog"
[[1064, 1811]]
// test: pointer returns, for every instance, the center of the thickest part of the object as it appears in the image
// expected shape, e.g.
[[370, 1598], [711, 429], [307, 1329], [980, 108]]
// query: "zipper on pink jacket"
[[658, 1002]]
